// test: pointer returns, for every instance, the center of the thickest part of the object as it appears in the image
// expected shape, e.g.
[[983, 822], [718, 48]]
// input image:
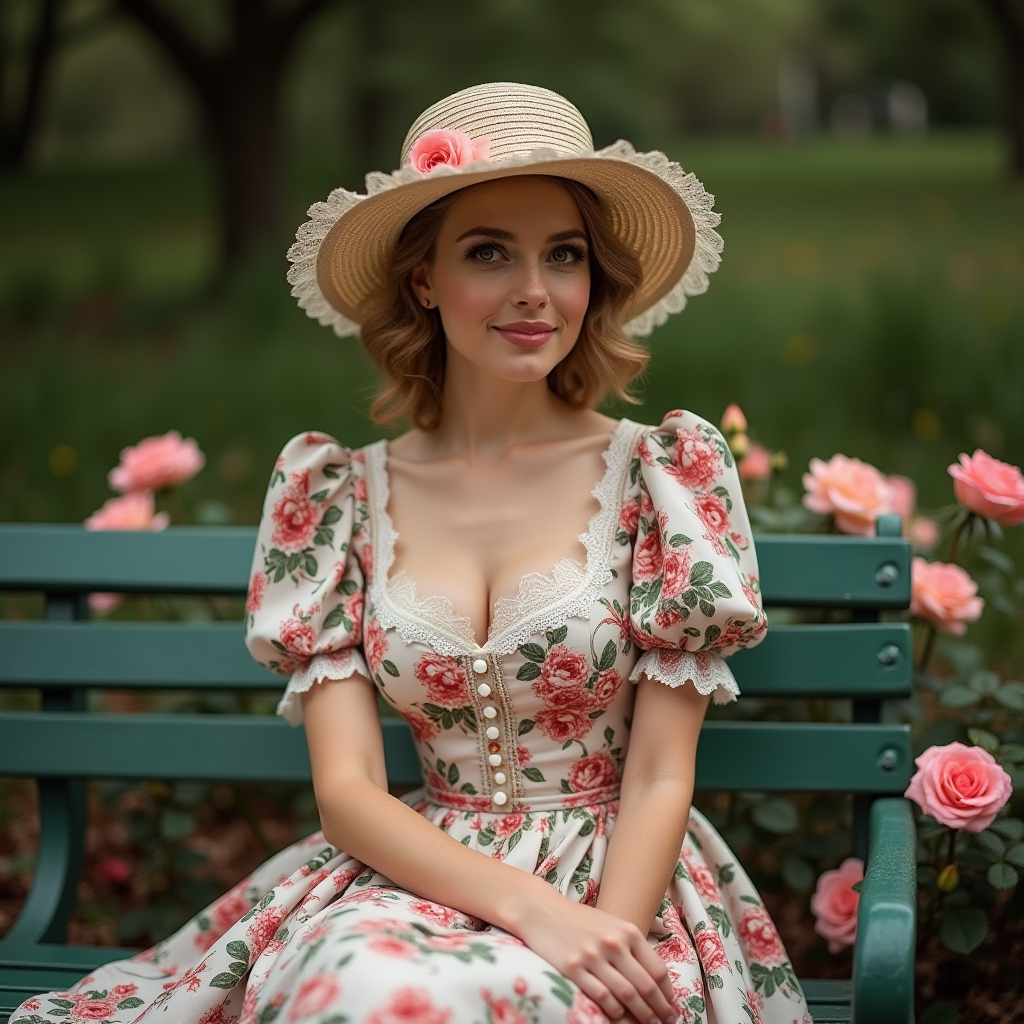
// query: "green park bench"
[[63, 745]]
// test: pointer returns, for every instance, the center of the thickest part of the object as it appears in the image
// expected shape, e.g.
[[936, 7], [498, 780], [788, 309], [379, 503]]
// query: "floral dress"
[[522, 743]]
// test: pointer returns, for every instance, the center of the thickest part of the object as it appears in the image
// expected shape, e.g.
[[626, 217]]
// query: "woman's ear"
[[419, 279]]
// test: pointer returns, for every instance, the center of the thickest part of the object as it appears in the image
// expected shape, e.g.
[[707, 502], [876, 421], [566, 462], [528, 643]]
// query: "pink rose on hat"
[[960, 786], [443, 148]]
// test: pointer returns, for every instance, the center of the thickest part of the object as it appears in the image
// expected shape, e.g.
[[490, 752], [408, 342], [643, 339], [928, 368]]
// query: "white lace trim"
[[332, 665], [694, 281], [542, 601], [708, 672]]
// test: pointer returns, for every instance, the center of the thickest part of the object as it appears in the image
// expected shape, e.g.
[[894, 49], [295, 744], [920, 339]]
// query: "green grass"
[[869, 301]]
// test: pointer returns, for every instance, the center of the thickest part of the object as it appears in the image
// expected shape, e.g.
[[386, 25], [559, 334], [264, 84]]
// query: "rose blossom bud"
[[923, 533], [960, 786], [834, 903], [780, 460], [949, 878], [739, 444], [733, 420], [989, 488], [756, 464], [945, 595]]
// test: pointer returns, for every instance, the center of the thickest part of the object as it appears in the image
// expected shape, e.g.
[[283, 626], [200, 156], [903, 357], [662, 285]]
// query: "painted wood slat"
[[775, 756], [795, 570], [852, 659]]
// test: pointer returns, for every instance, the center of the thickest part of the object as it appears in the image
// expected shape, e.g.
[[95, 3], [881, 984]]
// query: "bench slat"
[[854, 659], [795, 570], [731, 755]]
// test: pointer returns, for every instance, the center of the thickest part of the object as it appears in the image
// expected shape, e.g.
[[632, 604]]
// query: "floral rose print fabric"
[[670, 588]]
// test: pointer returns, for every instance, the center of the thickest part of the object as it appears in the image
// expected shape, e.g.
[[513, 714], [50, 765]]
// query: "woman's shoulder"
[[318, 450]]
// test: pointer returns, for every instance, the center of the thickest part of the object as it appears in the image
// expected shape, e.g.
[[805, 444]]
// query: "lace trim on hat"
[[706, 671], [332, 665], [324, 215], [542, 601]]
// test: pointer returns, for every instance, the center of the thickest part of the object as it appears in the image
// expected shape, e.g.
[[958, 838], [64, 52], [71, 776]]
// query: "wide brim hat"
[[498, 130]]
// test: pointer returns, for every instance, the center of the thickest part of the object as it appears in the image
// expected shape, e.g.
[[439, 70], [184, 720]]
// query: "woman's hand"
[[607, 957]]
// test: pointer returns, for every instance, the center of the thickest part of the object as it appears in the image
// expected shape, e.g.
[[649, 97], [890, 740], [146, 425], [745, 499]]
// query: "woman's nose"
[[530, 291]]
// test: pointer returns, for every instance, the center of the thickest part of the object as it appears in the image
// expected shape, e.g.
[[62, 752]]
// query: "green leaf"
[[1011, 752], [224, 980], [678, 540], [797, 873], [335, 618], [528, 671], [1009, 828], [176, 824], [467, 787], [984, 681], [777, 815], [991, 843], [719, 589], [1010, 697], [984, 739], [130, 1003], [331, 470], [958, 697], [534, 652], [1015, 855], [533, 774], [453, 773], [726, 873], [238, 967], [701, 573], [319, 496], [1002, 876], [563, 785], [525, 726], [389, 667], [331, 516], [608, 656], [963, 929], [238, 950], [556, 636], [309, 564]]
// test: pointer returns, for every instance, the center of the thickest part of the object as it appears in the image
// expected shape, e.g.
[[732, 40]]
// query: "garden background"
[[869, 302]]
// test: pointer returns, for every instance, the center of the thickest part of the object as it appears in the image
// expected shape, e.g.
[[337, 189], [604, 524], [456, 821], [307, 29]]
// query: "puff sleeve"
[[304, 607], [694, 596]]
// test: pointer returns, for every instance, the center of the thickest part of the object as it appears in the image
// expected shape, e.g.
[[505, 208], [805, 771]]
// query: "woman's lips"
[[526, 334]]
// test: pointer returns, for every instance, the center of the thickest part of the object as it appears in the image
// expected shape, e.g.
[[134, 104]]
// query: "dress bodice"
[[538, 717]]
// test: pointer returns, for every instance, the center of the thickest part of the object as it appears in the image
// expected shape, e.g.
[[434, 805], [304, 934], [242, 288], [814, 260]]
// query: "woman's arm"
[[608, 958], [654, 805]]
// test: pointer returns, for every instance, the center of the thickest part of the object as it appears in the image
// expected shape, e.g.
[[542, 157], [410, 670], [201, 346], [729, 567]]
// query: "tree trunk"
[[16, 137], [1009, 19]]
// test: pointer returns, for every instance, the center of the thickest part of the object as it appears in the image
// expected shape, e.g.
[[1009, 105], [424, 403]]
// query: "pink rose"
[[257, 588], [733, 420], [629, 515], [834, 903], [904, 496], [87, 1008], [375, 645], [392, 945], [696, 462], [567, 723], [298, 638], [853, 491], [756, 464], [677, 573], [593, 772], [758, 937], [314, 996], [423, 729], [676, 950], [263, 928], [607, 685], [444, 678], [443, 148], [648, 558], [132, 511], [585, 1011], [945, 595], [960, 786], [295, 516], [508, 824], [563, 669], [990, 488], [923, 533], [410, 1006], [157, 462], [711, 950]]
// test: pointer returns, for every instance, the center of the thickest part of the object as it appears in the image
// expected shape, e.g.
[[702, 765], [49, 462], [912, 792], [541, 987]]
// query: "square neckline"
[[508, 614]]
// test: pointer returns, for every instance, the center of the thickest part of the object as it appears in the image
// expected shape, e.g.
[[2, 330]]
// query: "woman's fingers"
[[655, 967], [590, 985], [635, 989]]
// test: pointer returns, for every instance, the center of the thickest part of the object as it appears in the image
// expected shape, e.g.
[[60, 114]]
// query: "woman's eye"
[[487, 255], [565, 256]]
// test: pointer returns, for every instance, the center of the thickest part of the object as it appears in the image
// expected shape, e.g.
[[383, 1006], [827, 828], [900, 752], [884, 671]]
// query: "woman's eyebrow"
[[499, 233], [564, 236]]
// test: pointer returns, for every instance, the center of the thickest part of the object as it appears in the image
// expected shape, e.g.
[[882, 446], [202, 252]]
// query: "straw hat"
[[495, 131]]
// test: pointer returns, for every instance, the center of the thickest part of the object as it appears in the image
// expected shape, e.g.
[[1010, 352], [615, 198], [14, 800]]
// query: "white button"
[[499, 798], [490, 711], [484, 690], [493, 732], [479, 666], [499, 778], [495, 759]]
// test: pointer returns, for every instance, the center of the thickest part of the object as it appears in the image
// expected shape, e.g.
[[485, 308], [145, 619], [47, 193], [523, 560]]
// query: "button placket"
[[481, 669]]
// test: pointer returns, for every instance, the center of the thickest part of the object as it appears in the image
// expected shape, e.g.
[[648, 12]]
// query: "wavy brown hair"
[[407, 343]]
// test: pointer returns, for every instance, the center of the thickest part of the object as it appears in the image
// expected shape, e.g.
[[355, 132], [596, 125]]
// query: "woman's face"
[[510, 276]]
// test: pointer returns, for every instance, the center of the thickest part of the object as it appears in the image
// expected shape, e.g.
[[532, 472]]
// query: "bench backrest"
[[64, 655]]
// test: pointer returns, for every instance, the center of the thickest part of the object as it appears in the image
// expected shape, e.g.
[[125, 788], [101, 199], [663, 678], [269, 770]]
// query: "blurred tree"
[[234, 59], [1009, 18], [23, 76]]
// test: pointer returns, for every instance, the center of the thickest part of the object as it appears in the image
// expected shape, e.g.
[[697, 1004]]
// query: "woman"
[[490, 279]]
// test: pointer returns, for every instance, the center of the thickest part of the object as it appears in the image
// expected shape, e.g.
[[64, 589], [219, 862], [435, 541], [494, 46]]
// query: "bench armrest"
[[883, 956]]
